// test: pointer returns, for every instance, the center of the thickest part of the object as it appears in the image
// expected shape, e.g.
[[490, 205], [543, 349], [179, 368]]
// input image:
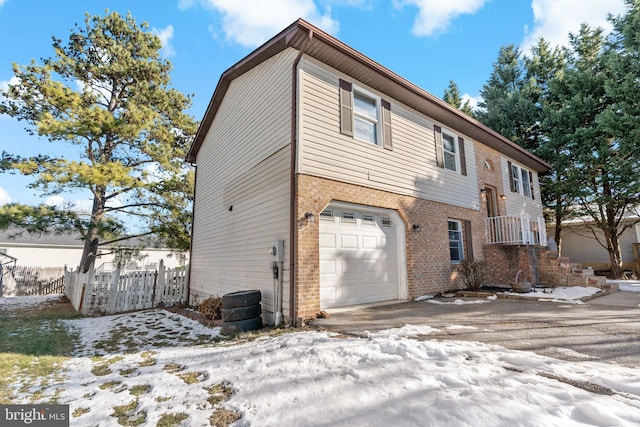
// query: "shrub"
[[211, 308], [472, 273]]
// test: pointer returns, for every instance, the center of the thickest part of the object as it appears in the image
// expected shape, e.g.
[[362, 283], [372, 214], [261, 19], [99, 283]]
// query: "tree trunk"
[[92, 238], [558, 229], [615, 256]]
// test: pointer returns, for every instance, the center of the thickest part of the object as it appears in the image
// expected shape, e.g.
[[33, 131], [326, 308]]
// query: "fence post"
[[159, 279], [88, 291], [113, 290]]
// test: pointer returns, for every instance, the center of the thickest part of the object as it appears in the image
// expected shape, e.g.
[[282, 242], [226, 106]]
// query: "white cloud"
[[435, 16], [4, 197], [555, 19], [252, 22], [165, 37], [83, 206], [473, 101], [4, 84], [55, 201]]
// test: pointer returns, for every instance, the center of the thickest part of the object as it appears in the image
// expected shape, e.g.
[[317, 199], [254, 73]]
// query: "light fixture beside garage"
[[309, 218], [417, 228]]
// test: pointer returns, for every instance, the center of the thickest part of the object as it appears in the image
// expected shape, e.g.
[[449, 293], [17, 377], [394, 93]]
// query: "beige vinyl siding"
[[244, 162], [518, 203], [410, 168]]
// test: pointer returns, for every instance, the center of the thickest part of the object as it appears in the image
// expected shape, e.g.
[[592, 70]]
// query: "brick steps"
[[560, 271]]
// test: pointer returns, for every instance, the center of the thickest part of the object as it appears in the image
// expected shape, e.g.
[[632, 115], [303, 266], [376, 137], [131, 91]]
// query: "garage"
[[360, 256]]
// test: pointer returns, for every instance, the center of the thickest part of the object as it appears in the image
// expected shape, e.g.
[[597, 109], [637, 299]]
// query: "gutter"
[[293, 191]]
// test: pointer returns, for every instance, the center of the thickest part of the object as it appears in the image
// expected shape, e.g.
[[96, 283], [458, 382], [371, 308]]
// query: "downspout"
[[294, 185], [195, 183]]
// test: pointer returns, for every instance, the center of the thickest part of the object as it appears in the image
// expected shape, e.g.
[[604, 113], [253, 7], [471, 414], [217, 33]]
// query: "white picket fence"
[[111, 292]]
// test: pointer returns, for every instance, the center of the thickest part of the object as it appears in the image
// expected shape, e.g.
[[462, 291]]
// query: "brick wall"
[[429, 268], [539, 266]]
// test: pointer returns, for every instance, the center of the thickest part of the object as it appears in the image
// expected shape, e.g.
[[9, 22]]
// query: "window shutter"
[[467, 239], [346, 108], [386, 125], [510, 172], [463, 160], [437, 133], [533, 196]]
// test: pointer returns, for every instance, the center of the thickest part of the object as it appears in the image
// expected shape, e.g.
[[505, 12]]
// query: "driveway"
[[604, 329]]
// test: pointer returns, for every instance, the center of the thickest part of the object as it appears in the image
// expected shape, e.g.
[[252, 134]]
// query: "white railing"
[[515, 230]]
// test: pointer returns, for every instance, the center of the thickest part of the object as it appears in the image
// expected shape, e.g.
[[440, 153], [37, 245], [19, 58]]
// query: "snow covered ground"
[[158, 363]]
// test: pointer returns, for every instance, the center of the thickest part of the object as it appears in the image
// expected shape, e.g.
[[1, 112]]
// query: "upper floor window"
[[520, 180], [449, 150], [364, 116], [450, 153]]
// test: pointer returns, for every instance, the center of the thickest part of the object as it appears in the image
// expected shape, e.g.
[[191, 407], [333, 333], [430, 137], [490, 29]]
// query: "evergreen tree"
[[106, 92], [452, 97], [595, 123]]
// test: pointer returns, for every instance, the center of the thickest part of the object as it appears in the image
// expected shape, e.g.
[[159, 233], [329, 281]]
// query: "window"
[[455, 241], [520, 180], [526, 185], [515, 179], [449, 151], [364, 116]]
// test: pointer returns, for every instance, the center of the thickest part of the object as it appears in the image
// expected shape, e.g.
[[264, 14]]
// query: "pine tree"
[[107, 92], [452, 97]]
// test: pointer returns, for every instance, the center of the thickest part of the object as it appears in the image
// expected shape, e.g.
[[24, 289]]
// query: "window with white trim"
[[520, 180], [515, 178], [365, 118], [449, 151], [456, 243], [526, 185], [364, 115]]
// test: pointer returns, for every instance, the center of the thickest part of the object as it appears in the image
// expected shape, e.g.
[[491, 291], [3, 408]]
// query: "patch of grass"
[[173, 367], [114, 386], [171, 420], [80, 411], [35, 344], [219, 392], [101, 370], [128, 416], [193, 377], [222, 417], [127, 372], [147, 358], [163, 399], [139, 390]]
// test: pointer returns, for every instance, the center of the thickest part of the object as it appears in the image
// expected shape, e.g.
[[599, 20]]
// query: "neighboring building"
[[580, 244], [377, 188], [60, 250]]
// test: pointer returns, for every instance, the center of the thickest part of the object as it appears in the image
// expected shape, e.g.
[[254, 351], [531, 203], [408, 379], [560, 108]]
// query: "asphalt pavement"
[[603, 329]]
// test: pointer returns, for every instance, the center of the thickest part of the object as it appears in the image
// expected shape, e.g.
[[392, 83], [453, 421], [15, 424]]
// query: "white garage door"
[[358, 258]]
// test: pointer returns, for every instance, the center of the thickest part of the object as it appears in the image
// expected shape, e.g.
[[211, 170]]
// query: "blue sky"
[[429, 42]]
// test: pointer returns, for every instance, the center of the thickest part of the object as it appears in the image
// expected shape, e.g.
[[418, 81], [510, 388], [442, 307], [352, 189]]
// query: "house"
[[581, 243], [326, 180], [60, 250]]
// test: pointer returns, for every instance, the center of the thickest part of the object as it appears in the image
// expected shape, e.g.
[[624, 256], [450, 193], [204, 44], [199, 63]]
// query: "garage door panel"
[[348, 241], [369, 242], [327, 241], [362, 266], [328, 267]]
